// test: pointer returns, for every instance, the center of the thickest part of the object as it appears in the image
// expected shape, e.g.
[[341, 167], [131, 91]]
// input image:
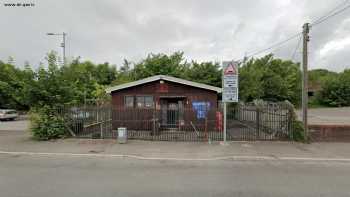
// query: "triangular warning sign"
[[230, 70]]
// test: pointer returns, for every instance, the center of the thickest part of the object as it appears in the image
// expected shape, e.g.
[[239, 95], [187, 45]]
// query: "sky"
[[205, 30]]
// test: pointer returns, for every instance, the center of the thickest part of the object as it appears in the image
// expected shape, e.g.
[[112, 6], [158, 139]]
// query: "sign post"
[[229, 87]]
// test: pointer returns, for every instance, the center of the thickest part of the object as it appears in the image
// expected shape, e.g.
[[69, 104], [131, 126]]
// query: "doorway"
[[172, 110]]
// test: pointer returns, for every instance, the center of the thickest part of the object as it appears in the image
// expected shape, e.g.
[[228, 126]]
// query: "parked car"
[[8, 114]]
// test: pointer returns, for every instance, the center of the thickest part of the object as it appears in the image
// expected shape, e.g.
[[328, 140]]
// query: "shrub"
[[336, 91], [297, 126], [46, 125], [298, 132]]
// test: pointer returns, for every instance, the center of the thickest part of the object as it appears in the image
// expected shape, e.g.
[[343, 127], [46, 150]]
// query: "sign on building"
[[230, 82]]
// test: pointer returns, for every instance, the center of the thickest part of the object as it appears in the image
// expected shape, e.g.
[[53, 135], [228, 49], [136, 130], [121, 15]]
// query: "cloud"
[[205, 30]]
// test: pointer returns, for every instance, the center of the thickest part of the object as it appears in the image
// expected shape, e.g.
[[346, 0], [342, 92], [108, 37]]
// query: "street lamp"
[[63, 44]]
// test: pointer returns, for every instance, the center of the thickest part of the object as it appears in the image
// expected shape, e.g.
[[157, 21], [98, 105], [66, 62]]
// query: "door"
[[172, 114]]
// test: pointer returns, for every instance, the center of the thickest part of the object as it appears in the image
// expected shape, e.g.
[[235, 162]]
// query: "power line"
[[274, 45], [329, 16], [296, 48], [316, 22], [331, 11]]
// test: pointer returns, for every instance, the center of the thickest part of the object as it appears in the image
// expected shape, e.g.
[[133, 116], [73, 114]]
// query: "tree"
[[270, 79], [336, 90], [205, 72], [51, 87], [160, 64], [13, 82], [105, 74], [173, 65], [124, 74]]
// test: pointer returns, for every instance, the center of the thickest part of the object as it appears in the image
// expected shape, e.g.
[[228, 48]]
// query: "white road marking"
[[231, 157]]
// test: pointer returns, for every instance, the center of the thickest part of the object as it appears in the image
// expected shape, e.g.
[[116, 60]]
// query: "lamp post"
[[63, 44]]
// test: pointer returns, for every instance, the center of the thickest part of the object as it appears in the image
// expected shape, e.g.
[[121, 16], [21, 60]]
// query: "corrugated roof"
[[166, 78]]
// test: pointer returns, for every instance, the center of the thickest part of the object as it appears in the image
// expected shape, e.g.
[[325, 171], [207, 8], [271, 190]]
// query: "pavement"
[[15, 142], [15, 137], [85, 167], [328, 116]]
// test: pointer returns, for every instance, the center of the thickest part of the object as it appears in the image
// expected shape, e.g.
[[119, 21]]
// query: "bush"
[[46, 125], [298, 132], [336, 91]]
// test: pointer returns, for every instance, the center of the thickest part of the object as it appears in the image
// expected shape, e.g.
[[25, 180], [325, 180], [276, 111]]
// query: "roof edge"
[[166, 78]]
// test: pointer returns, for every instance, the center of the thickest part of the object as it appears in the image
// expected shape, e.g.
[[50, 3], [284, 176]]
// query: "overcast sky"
[[206, 30]]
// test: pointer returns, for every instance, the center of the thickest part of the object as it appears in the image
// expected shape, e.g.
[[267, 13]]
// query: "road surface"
[[57, 176], [328, 116]]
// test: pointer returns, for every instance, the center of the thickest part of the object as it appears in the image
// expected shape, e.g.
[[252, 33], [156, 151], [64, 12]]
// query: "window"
[[129, 101], [149, 101], [140, 101], [144, 101]]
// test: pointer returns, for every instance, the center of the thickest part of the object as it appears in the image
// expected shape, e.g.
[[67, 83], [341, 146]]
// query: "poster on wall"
[[201, 108]]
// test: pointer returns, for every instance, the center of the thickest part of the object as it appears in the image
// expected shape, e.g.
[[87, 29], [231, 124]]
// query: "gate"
[[251, 121]]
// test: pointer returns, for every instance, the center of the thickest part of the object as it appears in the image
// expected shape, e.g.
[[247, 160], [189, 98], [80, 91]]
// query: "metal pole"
[[305, 77], [222, 84], [225, 122], [64, 48]]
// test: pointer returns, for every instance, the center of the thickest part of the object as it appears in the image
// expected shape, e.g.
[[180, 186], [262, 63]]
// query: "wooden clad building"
[[170, 96]]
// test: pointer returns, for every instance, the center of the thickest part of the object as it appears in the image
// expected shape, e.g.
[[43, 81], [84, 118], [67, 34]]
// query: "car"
[[8, 114]]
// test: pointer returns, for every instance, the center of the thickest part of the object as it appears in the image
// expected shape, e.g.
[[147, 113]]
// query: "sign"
[[201, 108], [230, 82]]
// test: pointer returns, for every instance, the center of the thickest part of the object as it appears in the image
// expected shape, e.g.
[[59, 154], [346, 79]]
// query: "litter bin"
[[122, 135]]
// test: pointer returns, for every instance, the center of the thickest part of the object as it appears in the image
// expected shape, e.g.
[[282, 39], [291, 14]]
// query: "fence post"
[[257, 119], [290, 117], [101, 129], [259, 105], [99, 118], [154, 122]]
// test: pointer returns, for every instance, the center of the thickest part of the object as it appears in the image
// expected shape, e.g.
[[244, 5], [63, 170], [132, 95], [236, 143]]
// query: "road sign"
[[230, 82]]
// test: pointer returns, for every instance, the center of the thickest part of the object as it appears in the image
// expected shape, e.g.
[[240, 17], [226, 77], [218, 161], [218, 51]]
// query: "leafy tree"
[[173, 65], [318, 77], [336, 90], [105, 74], [124, 74], [270, 79], [12, 85], [205, 72], [265, 78], [51, 87], [160, 64]]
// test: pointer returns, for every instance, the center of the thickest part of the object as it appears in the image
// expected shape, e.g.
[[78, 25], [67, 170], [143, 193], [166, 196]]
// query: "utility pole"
[[306, 29], [63, 44]]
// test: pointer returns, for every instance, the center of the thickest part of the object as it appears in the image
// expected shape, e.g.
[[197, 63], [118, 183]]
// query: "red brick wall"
[[330, 133], [157, 89]]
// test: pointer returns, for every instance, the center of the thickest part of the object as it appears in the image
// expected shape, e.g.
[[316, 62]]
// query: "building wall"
[[157, 89]]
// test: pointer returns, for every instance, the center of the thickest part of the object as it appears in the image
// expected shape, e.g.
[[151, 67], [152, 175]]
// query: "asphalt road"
[[330, 116], [20, 124], [57, 176]]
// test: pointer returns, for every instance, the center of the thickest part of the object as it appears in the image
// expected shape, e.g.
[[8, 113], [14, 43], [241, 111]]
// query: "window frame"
[[133, 101], [144, 101]]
